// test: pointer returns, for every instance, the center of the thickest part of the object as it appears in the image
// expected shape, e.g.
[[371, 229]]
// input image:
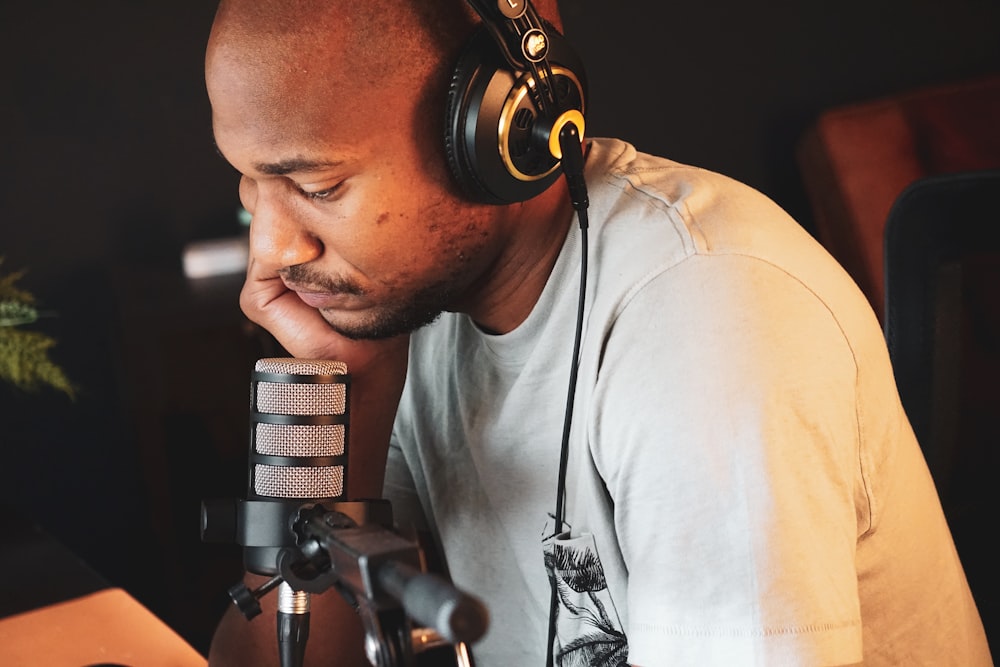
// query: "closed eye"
[[321, 195]]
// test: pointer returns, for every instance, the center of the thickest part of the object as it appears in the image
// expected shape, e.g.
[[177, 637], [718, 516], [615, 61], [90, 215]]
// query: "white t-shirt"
[[743, 487]]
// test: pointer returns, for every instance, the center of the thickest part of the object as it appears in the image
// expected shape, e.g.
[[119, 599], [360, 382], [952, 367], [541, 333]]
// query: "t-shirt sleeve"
[[728, 441]]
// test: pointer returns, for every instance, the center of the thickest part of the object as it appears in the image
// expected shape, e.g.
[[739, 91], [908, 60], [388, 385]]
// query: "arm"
[[377, 373], [749, 419]]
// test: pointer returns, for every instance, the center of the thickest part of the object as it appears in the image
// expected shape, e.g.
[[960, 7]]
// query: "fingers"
[[300, 329]]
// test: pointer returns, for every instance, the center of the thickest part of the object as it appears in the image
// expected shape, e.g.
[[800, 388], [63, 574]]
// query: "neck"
[[536, 231]]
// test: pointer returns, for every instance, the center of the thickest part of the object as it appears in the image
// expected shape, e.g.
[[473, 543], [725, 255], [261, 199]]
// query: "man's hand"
[[298, 327]]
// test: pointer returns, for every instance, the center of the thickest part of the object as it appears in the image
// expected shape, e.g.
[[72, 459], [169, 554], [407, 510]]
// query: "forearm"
[[374, 397]]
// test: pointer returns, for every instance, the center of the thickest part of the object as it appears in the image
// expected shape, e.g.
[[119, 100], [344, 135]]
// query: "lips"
[[344, 299], [321, 299]]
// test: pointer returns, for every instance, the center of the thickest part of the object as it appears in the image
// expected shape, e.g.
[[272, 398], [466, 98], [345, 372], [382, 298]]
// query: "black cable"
[[572, 156], [568, 417], [293, 625]]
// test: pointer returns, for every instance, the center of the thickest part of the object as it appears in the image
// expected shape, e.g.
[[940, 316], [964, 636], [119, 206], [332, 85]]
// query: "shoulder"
[[671, 239], [643, 205]]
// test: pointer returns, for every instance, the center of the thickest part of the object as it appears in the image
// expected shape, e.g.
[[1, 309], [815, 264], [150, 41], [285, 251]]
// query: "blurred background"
[[108, 170]]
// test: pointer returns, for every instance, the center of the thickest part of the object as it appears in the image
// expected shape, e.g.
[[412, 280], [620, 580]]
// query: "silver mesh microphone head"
[[299, 419]]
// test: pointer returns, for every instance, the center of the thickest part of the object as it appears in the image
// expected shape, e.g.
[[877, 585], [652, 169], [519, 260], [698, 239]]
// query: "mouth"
[[322, 298]]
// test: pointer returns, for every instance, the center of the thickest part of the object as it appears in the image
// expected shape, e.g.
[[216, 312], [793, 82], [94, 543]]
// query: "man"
[[742, 486]]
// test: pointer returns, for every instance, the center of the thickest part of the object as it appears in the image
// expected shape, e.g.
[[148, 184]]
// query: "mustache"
[[304, 276]]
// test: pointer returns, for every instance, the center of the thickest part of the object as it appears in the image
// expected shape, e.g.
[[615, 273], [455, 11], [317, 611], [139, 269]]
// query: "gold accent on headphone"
[[510, 107], [571, 116]]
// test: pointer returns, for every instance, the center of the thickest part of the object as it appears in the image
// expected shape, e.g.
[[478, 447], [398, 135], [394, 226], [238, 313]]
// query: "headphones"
[[516, 85]]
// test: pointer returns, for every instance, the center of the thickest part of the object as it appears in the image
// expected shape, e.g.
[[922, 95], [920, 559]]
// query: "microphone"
[[297, 526], [298, 448], [298, 454]]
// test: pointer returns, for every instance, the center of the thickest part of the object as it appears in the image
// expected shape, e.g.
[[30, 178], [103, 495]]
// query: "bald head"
[[296, 45], [379, 43], [276, 64]]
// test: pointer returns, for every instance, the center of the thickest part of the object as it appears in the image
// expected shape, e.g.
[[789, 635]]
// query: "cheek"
[[410, 244], [369, 230], [396, 222]]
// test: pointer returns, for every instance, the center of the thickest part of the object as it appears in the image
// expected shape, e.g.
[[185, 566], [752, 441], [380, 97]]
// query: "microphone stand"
[[377, 570]]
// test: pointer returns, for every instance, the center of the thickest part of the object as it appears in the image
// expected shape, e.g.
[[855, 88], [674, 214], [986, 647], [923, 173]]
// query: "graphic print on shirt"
[[588, 630]]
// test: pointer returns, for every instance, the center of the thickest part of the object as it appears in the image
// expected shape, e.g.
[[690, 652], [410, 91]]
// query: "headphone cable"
[[572, 157]]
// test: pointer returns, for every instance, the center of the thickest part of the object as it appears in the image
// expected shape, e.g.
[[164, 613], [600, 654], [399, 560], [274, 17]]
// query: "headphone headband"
[[515, 26]]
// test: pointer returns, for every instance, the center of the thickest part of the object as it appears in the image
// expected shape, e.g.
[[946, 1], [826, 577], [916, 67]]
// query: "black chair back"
[[942, 326]]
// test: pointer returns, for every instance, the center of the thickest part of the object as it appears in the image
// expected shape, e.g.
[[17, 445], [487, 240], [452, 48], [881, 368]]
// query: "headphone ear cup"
[[495, 143], [465, 98]]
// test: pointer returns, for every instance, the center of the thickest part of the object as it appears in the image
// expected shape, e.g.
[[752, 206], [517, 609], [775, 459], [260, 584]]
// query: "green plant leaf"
[[9, 291], [24, 355], [14, 313], [25, 362]]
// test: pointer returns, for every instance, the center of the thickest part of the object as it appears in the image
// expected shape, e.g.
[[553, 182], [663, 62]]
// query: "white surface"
[[216, 257]]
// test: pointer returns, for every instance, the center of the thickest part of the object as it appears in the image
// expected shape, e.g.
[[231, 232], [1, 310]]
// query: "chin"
[[381, 325]]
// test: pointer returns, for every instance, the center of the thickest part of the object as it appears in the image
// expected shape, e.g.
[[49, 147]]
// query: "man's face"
[[351, 204]]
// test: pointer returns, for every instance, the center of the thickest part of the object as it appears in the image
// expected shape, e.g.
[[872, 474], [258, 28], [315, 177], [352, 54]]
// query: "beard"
[[399, 315], [395, 318]]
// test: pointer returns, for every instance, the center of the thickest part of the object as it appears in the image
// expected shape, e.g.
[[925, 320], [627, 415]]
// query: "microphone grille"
[[300, 439], [306, 398], [299, 428], [294, 366], [299, 482]]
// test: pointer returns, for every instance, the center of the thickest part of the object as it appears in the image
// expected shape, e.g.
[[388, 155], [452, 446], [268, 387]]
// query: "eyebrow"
[[294, 165]]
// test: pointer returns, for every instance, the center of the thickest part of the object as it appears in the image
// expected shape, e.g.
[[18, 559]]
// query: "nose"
[[277, 237]]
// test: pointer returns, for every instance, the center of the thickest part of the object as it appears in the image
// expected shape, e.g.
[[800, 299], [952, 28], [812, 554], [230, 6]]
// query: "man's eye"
[[320, 195]]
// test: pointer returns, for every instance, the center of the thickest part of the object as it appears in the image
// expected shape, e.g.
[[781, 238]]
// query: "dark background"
[[107, 169]]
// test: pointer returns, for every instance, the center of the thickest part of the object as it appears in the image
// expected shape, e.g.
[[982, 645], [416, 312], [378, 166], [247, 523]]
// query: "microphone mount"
[[346, 545]]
